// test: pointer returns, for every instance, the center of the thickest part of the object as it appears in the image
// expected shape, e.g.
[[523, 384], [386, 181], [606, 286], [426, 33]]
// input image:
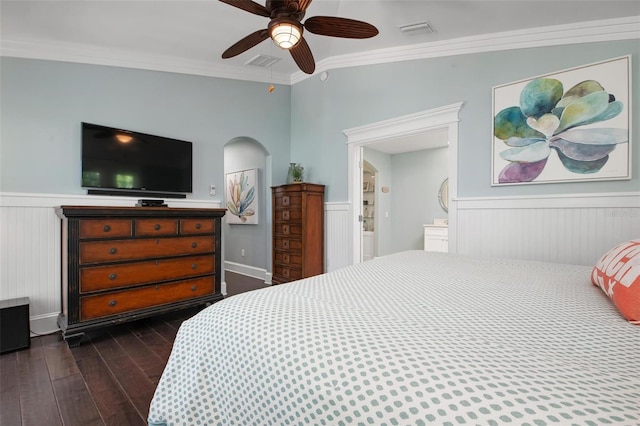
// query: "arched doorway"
[[247, 248]]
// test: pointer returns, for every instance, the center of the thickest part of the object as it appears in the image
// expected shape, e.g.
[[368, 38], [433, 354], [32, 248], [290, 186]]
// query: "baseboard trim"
[[250, 271], [44, 324]]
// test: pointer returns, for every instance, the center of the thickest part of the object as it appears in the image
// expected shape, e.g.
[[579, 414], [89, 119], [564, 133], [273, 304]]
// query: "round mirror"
[[443, 195]]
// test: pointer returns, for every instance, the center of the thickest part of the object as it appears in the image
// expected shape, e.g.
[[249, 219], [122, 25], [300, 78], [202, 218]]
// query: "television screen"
[[125, 160]]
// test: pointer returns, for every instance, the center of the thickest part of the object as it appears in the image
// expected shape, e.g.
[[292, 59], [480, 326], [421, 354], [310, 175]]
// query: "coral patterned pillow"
[[618, 274]]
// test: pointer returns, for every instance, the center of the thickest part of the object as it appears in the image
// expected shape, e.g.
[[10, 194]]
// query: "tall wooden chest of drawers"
[[298, 231], [126, 263]]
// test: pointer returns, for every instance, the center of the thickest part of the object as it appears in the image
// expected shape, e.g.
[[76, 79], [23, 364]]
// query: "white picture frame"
[[539, 137]]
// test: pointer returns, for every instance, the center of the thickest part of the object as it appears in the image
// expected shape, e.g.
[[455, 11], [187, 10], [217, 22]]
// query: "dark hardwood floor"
[[238, 283], [108, 380]]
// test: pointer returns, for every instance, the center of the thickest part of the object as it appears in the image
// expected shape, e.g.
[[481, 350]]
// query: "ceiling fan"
[[285, 28]]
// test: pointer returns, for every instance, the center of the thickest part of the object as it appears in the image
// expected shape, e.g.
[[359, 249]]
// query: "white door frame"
[[407, 125]]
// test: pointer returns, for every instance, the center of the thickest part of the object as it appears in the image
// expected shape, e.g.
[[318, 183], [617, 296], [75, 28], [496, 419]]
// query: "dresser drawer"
[[118, 302], [288, 228], [286, 273], [95, 278], [111, 251], [439, 231], [288, 214], [288, 258], [286, 200], [153, 227], [292, 245], [197, 226], [105, 228]]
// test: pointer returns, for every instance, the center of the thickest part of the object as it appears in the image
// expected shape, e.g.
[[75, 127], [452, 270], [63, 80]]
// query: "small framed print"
[[242, 197]]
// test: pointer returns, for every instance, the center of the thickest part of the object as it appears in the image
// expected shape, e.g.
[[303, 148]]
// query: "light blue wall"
[[417, 177], [358, 96], [43, 103]]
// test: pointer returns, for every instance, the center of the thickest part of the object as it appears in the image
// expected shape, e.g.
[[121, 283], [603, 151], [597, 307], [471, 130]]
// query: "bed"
[[410, 338]]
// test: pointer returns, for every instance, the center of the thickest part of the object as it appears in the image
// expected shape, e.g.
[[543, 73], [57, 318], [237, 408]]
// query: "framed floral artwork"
[[569, 126], [242, 197]]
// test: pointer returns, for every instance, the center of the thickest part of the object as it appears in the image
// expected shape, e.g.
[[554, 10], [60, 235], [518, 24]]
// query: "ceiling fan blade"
[[302, 55], [249, 6], [340, 27], [303, 4], [246, 43]]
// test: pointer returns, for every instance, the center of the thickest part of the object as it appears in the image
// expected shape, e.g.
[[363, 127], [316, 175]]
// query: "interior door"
[[361, 214]]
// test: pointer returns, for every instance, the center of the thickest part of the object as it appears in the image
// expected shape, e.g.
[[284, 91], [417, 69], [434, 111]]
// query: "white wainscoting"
[[30, 262], [576, 229], [338, 251], [30, 248]]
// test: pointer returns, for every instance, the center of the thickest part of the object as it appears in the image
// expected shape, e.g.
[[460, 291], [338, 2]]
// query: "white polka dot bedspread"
[[409, 339]]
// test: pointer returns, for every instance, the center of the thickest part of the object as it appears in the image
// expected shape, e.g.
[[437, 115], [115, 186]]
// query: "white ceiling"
[[191, 35]]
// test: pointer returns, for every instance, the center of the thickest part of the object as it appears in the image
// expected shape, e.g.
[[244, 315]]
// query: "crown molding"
[[89, 54], [583, 32]]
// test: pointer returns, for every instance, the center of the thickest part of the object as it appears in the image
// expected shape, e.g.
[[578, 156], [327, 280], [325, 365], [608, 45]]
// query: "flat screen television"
[[117, 161]]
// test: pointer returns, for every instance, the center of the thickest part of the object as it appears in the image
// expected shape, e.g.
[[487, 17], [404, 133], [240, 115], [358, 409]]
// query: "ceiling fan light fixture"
[[285, 33]]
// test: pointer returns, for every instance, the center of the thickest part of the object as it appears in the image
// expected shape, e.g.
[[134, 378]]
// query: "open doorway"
[[247, 248], [406, 194], [394, 132], [369, 212]]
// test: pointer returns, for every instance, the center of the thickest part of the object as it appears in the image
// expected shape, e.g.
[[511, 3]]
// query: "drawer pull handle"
[[112, 303], [285, 201], [285, 272], [157, 227], [198, 226], [113, 276], [194, 245], [285, 257], [285, 215], [194, 266], [285, 244], [113, 250], [106, 228], [194, 287]]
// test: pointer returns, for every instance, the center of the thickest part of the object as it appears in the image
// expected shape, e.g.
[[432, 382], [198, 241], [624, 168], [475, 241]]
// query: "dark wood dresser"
[[125, 263], [298, 231]]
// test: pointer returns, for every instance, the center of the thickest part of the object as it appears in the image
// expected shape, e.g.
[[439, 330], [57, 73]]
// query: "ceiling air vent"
[[263, 61], [419, 28]]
